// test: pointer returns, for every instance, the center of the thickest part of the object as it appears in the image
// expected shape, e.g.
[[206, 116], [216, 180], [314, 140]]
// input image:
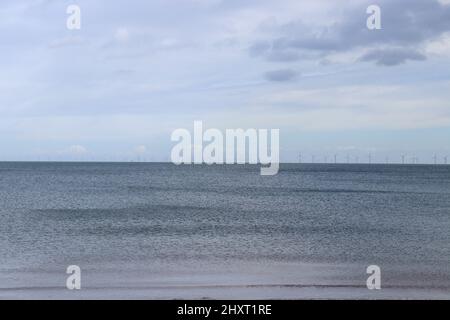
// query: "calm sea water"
[[157, 226]]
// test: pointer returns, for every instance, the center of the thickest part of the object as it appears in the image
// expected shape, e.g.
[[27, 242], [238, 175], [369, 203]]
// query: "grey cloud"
[[392, 57], [282, 75], [405, 23], [260, 47]]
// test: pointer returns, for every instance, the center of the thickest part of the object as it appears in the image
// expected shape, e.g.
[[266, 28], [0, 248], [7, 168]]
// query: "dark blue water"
[[120, 217]]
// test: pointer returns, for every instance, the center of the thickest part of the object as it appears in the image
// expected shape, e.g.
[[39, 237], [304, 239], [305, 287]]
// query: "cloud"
[[356, 106], [392, 57], [405, 24], [282, 75], [133, 73]]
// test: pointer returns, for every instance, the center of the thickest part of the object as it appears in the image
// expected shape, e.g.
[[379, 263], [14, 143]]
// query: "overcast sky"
[[137, 70]]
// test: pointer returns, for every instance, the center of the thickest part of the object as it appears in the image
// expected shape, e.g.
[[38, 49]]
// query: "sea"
[[162, 231]]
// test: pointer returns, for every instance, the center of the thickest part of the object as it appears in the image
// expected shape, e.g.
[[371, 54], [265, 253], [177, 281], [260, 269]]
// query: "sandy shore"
[[244, 281]]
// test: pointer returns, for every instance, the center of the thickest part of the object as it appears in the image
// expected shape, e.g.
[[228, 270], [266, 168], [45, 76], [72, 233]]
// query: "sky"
[[137, 70]]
